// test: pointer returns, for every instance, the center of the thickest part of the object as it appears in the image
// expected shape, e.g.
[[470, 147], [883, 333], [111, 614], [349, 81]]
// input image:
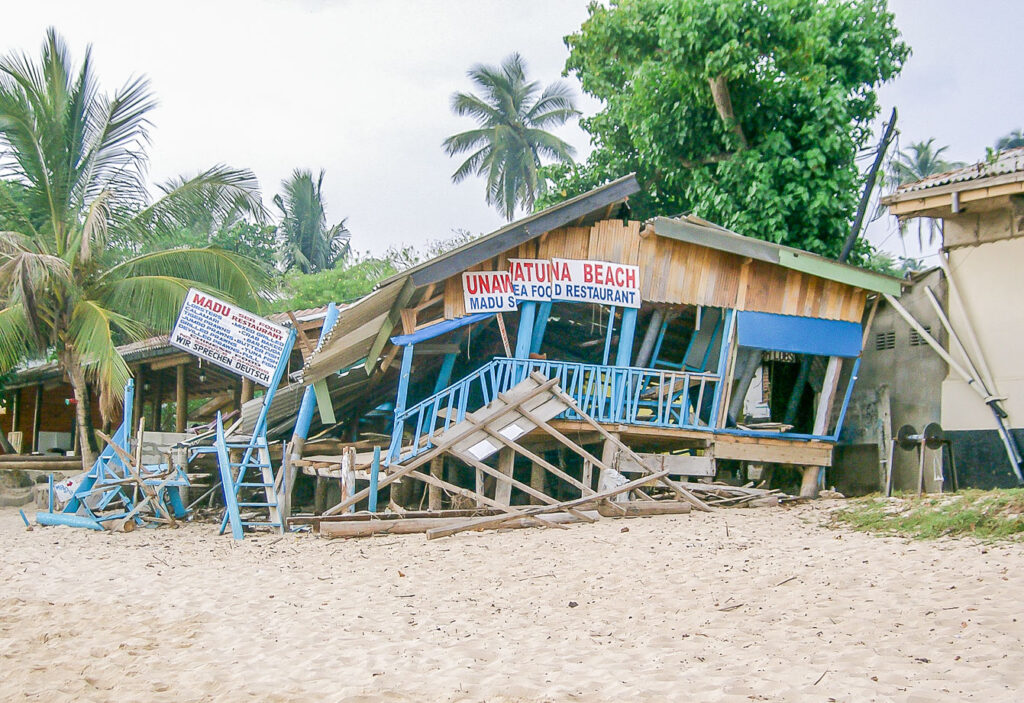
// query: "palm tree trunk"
[[76, 375]]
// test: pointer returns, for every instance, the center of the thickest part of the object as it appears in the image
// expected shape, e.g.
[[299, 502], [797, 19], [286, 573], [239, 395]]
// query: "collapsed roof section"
[[364, 328]]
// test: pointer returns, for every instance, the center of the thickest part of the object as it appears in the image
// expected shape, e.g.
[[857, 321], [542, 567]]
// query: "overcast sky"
[[361, 88]]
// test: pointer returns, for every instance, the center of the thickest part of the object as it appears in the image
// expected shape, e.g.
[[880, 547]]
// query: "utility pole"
[[869, 186]]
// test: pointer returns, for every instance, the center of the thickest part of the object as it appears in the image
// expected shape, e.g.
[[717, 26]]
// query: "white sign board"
[[599, 282], [488, 291], [531, 278], [230, 337]]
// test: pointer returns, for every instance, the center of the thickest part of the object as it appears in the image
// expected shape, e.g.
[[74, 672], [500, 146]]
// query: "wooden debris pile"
[[723, 495], [497, 431]]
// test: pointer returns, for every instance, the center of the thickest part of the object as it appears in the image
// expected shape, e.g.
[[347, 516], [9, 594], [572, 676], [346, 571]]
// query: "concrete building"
[[981, 208], [900, 383]]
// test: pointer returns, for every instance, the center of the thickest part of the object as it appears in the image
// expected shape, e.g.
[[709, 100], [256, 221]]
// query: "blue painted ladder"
[[254, 472]]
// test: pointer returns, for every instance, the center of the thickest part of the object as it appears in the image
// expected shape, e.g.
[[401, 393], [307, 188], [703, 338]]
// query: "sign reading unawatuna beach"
[[226, 335]]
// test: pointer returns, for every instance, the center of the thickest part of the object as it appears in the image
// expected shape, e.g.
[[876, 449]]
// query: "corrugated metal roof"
[[32, 372], [1009, 161], [696, 230], [357, 335]]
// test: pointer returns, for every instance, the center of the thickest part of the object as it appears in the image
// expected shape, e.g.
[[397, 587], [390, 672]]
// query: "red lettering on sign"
[[210, 304]]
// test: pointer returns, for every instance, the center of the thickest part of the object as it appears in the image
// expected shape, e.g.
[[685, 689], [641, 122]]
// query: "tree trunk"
[[723, 105], [76, 375]]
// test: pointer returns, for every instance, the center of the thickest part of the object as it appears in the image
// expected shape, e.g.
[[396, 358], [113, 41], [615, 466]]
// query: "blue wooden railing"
[[608, 394]]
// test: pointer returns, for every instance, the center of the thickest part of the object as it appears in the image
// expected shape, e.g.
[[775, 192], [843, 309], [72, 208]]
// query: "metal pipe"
[[941, 314], [972, 338]]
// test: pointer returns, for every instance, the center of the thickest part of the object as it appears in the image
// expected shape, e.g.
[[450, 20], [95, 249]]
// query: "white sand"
[[780, 608]]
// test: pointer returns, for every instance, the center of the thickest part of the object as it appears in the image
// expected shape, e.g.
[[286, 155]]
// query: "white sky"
[[361, 88]]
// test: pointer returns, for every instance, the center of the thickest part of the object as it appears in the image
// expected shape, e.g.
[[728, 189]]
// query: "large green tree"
[[513, 115], [75, 158], [307, 242], [749, 113]]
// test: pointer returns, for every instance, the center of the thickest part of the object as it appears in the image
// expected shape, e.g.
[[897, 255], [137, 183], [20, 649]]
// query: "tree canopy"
[[306, 241], [513, 115], [75, 158], [749, 113], [1010, 141]]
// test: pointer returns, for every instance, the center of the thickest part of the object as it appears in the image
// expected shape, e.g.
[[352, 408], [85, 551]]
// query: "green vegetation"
[[983, 514], [921, 160], [347, 282], [748, 114], [511, 138], [1011, 141], [306, 241], [75, 159]]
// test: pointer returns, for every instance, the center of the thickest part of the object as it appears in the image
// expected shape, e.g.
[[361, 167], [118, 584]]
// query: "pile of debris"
[[497, 430]]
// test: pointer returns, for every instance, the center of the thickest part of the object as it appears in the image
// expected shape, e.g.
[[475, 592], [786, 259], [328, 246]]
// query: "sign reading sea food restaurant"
[[488, 291], [226, 335], [575, 280]]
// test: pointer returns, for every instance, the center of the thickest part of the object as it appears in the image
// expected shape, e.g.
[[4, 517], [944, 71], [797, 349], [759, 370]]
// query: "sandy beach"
[[767, 604]]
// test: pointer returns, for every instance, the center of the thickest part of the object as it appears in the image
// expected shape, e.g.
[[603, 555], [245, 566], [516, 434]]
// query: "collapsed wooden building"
[[672, 342]]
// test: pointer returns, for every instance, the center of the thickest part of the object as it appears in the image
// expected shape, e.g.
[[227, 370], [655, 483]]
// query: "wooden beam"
[[36, 417], [307, 350], [181, 400], [169, 361], [481, 523]]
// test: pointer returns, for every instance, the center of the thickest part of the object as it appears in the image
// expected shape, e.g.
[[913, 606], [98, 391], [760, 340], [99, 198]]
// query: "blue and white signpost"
[[251, 346]]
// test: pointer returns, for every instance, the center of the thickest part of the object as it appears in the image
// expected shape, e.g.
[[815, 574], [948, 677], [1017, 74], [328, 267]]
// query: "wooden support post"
[[320, 496], [247, 391], [36, 417], [478, 487], [540, 325], [180, 398], [374, 480], [437, 471], [624, 354], [524, 337], [536, 481], [608, 450], [809, 484], [158, 403], [140, 395], [643, 357], [403, 380], [506, 462]]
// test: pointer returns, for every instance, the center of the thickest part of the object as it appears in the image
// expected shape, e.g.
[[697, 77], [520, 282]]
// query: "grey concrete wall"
[[913, 374]]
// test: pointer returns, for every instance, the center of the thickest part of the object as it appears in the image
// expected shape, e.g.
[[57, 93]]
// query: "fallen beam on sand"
[[643, 508], [406, 526]]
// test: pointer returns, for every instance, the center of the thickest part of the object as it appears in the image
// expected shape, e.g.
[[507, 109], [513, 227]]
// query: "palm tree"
[[77, 213], [1011, 141], [918, 161], [305, 240], [507, 147]]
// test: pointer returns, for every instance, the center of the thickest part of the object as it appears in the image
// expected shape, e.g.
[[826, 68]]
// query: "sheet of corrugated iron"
[[1009, 161]]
